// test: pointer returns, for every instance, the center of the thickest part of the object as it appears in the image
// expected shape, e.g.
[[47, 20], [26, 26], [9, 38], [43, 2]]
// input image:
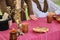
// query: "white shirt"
[[52, 7]]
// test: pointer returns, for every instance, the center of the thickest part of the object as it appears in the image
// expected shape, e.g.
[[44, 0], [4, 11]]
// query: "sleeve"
[[29, 4], [37, 12], [54, 7]]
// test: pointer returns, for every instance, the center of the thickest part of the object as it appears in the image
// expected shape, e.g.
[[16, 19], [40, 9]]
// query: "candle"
[[18, 4], [25, 27], [17, 21]]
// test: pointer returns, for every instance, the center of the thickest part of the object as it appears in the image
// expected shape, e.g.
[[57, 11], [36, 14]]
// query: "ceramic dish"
[[40, 29]]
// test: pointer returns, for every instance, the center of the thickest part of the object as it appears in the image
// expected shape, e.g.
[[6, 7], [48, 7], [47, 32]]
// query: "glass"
[[49, 19], [25, 27]]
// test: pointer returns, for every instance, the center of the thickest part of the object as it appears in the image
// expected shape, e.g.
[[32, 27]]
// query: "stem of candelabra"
[[19, 31], [18, 7]]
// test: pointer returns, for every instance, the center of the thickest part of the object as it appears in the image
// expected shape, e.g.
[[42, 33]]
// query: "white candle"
[[18, 4], [17, 21]]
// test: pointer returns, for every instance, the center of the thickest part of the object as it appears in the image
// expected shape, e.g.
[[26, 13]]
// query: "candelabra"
[[17, 15], [17, 18]]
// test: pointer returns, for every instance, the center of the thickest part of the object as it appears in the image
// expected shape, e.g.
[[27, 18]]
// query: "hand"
[[33, 17], [51, 14], [10, 23]]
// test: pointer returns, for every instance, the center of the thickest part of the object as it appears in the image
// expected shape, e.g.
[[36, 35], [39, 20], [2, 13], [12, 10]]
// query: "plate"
[[40, 29]]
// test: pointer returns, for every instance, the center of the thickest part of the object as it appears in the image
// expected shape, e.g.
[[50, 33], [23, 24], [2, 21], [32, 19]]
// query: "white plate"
[[40, 29]]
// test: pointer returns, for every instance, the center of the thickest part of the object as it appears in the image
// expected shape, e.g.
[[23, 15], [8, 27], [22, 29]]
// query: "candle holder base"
[[19, 32]]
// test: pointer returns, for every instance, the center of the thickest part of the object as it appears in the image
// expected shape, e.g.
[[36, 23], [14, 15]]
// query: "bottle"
[[13, 35]]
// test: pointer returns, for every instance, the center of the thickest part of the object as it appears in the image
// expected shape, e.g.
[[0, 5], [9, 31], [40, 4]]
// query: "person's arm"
[[53, 6], [29, 4], [30, 10], [3, 6]]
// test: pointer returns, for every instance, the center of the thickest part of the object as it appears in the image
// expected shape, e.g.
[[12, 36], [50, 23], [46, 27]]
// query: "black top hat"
[[4, 24]]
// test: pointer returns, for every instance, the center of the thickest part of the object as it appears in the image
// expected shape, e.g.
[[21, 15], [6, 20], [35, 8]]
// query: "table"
[[52, 34]]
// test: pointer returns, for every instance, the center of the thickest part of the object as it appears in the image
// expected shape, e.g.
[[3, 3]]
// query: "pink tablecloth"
[[52, 34]]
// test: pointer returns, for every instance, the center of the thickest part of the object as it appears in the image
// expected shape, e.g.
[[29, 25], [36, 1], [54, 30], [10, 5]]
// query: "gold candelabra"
[[17, 17]]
